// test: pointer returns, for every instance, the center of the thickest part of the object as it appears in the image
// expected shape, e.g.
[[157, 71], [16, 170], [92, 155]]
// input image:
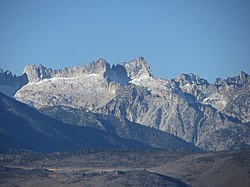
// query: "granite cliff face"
[[120, 127], [180, 113], [86, 87], [210, 116], [137, 68]]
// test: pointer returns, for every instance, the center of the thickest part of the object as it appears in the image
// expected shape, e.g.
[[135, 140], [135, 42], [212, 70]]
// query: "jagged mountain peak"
[[29, 66], [36, 74], [138, 67], [10, 83], [243, 75], [7, 72], [31, 71], [241, 79], [97, 67], [190, 79], [102, 61]]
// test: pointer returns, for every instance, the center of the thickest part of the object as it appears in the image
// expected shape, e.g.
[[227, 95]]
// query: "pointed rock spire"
[[138, 67], [32, 73], [243, 75]]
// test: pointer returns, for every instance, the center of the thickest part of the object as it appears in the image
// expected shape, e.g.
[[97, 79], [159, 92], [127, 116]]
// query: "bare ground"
[[126, 168]]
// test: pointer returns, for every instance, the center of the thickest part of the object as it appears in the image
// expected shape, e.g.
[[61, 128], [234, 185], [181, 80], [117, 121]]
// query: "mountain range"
[[126, 101]]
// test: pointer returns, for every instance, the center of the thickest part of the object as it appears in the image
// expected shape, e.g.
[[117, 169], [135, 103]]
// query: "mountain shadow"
[[23, 127]]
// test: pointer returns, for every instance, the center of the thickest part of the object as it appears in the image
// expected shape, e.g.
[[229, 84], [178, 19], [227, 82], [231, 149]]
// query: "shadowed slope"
[[23, 127]]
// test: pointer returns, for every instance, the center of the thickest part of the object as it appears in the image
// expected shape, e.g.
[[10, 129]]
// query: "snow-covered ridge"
[[59, 79], [87, 91], [90, 86], [36, 74], [122, 73]]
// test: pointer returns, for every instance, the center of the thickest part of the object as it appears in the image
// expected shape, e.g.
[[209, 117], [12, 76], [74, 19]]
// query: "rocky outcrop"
[[238, 106], [137, 68], [190, 83]]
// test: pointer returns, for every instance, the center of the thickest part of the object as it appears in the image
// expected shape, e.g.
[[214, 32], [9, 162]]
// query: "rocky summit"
[[210, 116]]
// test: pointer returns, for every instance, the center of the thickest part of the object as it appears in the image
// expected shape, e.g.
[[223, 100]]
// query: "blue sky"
[[210, 38]]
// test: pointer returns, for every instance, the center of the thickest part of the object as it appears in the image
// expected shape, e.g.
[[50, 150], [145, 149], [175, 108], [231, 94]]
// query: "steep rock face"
[[137, 68], [10, 83], [219, 95], [230, 96], [218, 131], [117, 74], [190, 83], [239, 106], [237, 91], [35, 74], [32, 72], [199, 124], [118, 126], [177, 106], [166, 112]]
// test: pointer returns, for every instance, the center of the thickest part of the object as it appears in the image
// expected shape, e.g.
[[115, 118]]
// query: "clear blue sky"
[[210, 38]]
